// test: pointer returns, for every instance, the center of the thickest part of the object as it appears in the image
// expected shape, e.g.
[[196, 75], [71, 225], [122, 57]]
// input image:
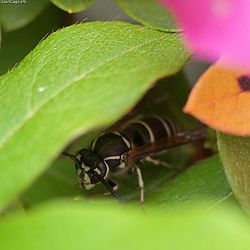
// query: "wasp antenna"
[[73, 157]]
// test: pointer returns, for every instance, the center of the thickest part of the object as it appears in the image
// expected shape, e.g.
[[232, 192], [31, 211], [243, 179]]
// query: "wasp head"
[[92, 169]]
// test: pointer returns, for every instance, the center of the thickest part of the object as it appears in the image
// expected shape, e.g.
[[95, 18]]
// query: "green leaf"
[[204, 182], [68, 225], [149, 13], [79, 78], [58, 181], [234, 152], [72, 6], [15, 16]]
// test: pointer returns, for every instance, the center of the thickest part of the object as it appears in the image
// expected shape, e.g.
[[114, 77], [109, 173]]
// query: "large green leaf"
[[14, 16], [79, 78], [234, 152], [204, 182], [58, 181], [150, 13], [68, 225], [72, 6]]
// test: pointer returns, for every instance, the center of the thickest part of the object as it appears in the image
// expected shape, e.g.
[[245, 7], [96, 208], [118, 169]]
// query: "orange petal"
[[221, 99]]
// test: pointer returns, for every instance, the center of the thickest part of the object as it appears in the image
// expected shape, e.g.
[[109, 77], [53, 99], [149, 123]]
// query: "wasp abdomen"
[[111, 146], [148, 130]]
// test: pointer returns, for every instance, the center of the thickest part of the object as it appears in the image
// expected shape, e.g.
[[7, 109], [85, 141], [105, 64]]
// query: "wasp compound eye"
[[95, 176], [99, 173], [103, 168]]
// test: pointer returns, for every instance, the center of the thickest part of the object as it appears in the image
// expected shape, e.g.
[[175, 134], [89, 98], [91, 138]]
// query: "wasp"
[[122, 151]]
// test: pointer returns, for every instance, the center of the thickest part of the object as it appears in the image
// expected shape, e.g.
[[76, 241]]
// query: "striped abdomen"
[[112, 145], [148, 130]]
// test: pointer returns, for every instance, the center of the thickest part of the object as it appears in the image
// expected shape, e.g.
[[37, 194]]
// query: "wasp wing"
[[166, 143]]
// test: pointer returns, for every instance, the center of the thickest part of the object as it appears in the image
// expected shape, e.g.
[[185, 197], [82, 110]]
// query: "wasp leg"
[[140, 183], [159, 162], [130, 171], [113, 185]]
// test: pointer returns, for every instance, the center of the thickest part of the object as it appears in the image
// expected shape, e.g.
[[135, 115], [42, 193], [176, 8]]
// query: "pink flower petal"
[[215, 28]]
